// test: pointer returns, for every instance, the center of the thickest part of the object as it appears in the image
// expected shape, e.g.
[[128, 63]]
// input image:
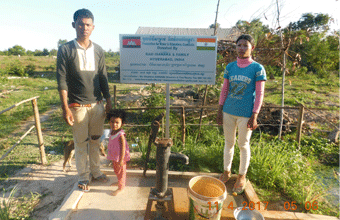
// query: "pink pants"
[[120, 171]]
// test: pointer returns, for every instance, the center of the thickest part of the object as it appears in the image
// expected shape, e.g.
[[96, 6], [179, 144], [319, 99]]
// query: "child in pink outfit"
[[118, 149]]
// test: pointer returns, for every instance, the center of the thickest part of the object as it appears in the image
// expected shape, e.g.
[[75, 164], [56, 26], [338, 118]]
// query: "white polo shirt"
[[86, 57]]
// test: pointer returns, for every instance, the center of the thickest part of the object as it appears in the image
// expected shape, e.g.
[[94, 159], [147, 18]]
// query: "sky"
[[39, 24]]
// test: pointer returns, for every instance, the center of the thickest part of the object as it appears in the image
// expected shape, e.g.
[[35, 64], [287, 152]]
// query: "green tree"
[[333, 41], [109, 53], [53, 52], [312, 22], [45, 52], [255, 28], [17, 50], [320, 55], [38, 53], [309, 42], [213, 25], [30, 53], [61, 42]]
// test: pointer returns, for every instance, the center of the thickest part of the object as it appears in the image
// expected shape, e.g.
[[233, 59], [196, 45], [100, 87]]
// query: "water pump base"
[[160, 208]]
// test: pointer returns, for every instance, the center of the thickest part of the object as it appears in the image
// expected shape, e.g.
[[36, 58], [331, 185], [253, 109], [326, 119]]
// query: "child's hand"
[[121, 163]]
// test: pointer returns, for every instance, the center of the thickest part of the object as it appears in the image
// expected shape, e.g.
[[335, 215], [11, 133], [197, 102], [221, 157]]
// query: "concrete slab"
[[69, 204], [131, 203]]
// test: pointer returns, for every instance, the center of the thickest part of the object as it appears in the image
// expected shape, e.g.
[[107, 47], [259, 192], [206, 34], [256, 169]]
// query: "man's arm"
[[62, 85], [104, 84], [108, 105], [67, 114]]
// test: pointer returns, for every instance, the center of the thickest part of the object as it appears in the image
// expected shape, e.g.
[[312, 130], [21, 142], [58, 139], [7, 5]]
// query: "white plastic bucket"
[[243, 213], [206, 196]]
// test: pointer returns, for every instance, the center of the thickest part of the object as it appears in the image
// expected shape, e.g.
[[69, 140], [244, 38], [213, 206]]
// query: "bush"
[[50, 67], [301, 71], [2, 72], [155, 100], [273, 71], [30, 69], [16, 69], [321, 148]]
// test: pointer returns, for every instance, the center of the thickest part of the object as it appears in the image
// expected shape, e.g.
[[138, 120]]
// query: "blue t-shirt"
[[241, 94]]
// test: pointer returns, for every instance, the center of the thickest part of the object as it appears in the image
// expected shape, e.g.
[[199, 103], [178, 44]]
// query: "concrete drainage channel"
[[132, 202]]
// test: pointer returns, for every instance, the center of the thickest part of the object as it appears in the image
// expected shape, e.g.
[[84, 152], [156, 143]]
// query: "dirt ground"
[[48, 181], [51, 182]]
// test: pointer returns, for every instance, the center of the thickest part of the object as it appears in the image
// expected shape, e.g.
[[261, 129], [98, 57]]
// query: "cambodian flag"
[[131, 42]]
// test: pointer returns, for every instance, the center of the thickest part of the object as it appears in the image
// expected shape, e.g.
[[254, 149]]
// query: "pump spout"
[[182, 158]]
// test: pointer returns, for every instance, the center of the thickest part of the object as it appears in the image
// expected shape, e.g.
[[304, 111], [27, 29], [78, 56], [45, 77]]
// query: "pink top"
[[259, 87], [113, 148], [242, 63]]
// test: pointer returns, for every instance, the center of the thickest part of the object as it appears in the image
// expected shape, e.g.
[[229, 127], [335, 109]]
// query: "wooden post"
[[283, 70], [183, 125], [300, 122], [39, 133], [201, 114], [114, 97], [163, 128], [17, 104]]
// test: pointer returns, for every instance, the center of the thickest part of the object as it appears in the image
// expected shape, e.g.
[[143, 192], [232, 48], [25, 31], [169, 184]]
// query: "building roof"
[[229, 34]]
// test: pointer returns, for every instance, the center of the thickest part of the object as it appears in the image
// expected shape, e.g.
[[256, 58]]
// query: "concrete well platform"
[[131, 204]]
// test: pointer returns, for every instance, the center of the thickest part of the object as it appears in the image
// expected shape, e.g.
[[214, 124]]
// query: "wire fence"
[[294, 117], [37, 126]]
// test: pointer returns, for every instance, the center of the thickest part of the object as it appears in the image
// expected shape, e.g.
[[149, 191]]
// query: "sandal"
[[225, 176], [238, 187], [102, 178], [84, 185]]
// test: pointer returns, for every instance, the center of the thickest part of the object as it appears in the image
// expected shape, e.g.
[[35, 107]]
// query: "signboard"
[[179, 59]]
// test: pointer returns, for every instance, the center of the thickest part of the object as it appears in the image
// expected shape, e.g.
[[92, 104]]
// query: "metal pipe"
[[162, 165]]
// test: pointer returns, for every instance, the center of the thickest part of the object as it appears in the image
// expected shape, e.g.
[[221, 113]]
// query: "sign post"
[[177, 59]]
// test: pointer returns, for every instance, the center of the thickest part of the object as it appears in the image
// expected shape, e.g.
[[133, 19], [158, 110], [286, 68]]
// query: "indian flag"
[[206, 43]]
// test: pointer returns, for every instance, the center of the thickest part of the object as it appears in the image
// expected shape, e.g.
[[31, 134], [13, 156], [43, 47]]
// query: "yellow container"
[[206, 195]]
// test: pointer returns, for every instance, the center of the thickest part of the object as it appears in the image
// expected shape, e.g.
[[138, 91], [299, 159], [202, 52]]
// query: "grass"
[[41, 63], [43, 84], [55, 132], [279, 169], [18, 207], [25, 88], [310, 90], [27, 152], [6, 206]]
